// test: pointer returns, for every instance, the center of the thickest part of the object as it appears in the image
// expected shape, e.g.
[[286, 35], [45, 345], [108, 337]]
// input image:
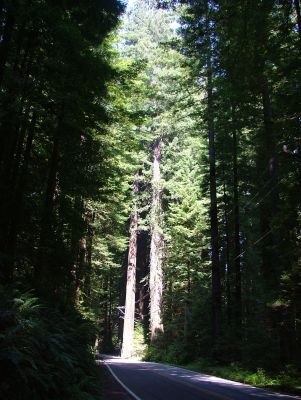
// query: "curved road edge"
[[128, 390]]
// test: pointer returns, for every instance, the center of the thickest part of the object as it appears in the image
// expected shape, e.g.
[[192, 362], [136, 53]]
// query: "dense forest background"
[[150, 188]]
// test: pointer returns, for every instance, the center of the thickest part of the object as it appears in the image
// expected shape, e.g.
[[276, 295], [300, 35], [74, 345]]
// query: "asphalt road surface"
[[153, 381]]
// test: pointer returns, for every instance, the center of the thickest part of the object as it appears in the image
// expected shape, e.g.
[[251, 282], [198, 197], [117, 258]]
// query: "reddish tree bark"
[[156, 250], [129, 314]]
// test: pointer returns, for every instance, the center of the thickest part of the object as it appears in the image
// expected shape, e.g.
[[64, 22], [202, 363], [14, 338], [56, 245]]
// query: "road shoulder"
[[111, 389]]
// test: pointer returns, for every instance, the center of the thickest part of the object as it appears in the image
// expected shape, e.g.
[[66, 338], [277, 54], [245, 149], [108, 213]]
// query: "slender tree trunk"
[[11, 128], [76, 231], [5, 43], [9, 131], [52, 181], [13, 208], [187, 303], [143, 253], [82, 238], [9, 137], [88, 272], [269, 208], [122, 295], [237, 247], [216, 280], [82, 261], [141, 303], [129, 314], [110, 326], [19, 150], [269, 135], [18, 191], [297, 8], [156, 250], [107, 344], [46, 237], [229, 271]]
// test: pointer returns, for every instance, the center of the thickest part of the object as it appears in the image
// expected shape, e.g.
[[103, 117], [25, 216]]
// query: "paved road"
[[152, 381]]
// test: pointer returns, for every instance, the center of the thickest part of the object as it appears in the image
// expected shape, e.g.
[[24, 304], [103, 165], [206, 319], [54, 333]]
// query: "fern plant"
[[44, 352]]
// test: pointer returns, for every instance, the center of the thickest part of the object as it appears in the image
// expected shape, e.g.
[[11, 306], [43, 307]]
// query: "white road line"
[[121, 383]]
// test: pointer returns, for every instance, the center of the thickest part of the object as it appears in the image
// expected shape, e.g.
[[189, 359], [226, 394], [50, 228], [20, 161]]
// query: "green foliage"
[[253, 53], [287, 379], [139, 345], [175, 353], [81, 109], [45, 352], [64, 196]]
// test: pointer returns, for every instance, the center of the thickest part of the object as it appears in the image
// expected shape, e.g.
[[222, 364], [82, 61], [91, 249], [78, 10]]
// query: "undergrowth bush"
[[176, 352], [288, 379], [45, 353]]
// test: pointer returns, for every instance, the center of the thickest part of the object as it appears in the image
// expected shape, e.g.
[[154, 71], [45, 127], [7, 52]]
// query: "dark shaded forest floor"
[[110, 388]]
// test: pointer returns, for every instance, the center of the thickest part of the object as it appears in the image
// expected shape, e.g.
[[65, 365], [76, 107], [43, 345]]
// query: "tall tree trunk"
[[228, 271], [19, 190], [297, 8], [237, 247], [13, 207], [81, 266], [122, 295], [5, 43], [76, 232], [143, 254], [19, 150], [46, 236], [10, 126], [269, 134], [156, 250], [129, 314], [88, 272], [216, 280], [187, 298], [107, 344], [269, 208]]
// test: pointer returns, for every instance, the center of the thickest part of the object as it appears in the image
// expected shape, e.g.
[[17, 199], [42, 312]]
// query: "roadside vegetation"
[[288, 380], [45, 350]]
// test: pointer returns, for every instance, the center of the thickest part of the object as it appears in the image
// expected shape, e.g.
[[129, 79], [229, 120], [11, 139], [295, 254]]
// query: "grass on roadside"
[[288, 380]]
